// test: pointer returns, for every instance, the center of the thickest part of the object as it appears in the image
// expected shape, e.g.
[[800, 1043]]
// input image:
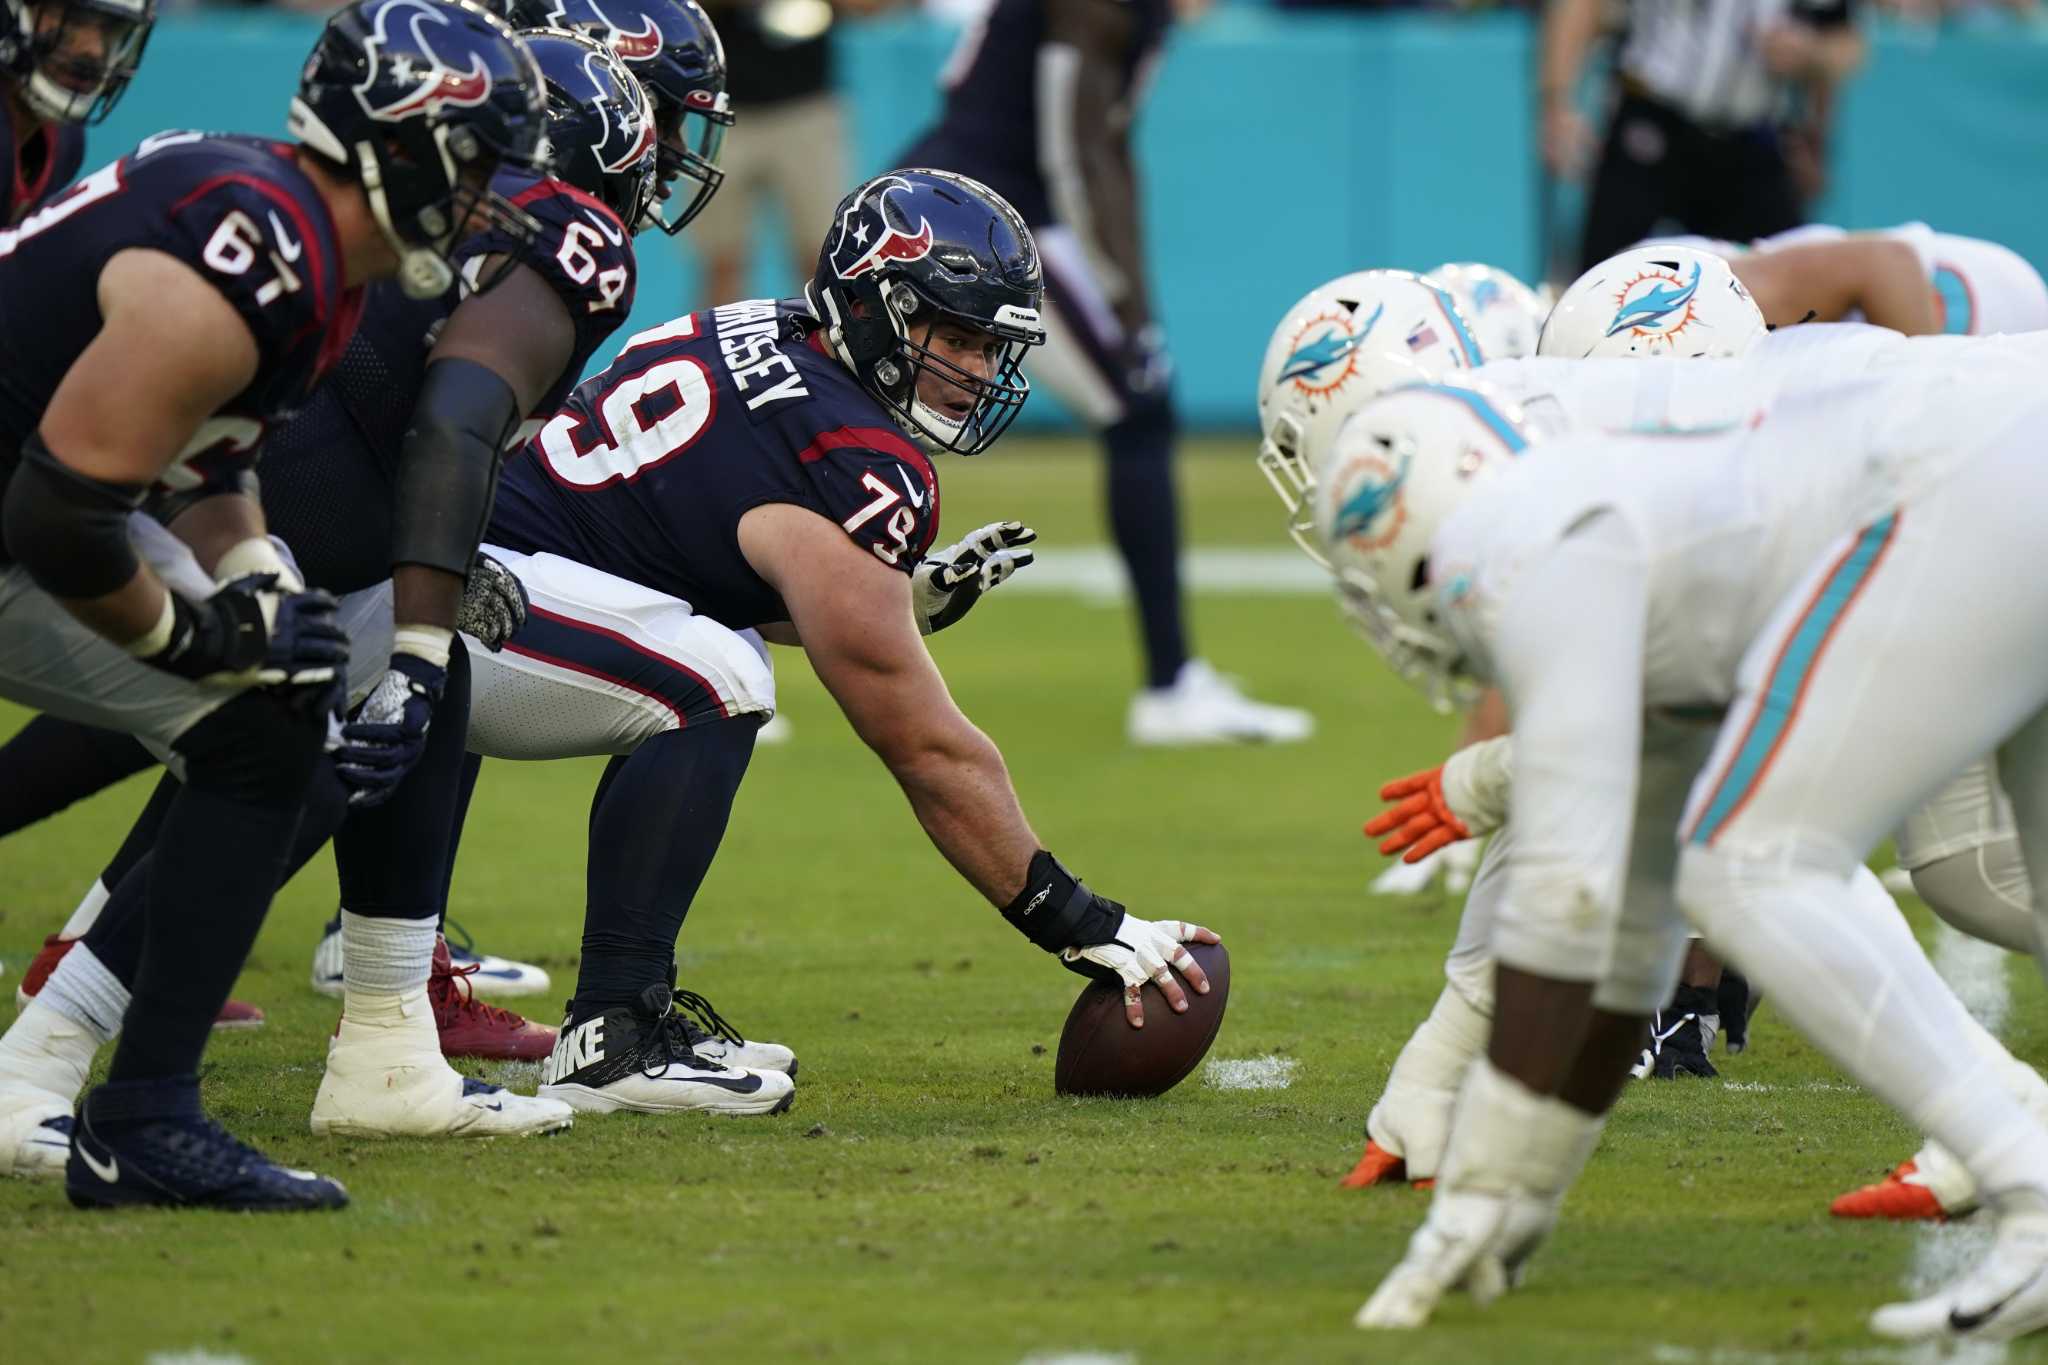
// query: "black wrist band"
[[1056, 910]]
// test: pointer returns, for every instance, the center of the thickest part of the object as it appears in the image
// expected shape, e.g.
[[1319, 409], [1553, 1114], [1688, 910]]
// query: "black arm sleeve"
[[68, 530], [448, 465]]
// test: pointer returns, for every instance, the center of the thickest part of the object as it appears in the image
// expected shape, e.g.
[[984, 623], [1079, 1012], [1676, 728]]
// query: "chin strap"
[[422, 273]]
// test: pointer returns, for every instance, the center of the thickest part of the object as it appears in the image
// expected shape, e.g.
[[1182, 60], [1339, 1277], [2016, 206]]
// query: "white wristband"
[[431, 643], [258, 554], [158, 636]]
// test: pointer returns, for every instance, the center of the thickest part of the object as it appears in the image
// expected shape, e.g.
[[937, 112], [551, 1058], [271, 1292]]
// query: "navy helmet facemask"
[[72, 59], [913, 259], [422, 101]]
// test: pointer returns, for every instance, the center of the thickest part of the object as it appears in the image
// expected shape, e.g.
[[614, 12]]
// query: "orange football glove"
[[1421, 822]]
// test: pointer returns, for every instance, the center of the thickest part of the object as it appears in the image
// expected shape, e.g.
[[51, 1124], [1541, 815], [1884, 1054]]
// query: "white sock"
[[1489, 1130], [384, 967], [88, 912], [83, 990], [1413, 1117], [1847, 973], [45, 1051]]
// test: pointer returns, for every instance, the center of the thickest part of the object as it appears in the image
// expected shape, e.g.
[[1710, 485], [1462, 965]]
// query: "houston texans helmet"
[[421, 101], [1654, 301], [674, 50], [600, 125], [1399, 467], [1339, 345], [915, 249], [71, 59], [1505, 314]]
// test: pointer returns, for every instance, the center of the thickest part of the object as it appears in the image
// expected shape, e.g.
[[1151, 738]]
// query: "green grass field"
[[928, 1198]]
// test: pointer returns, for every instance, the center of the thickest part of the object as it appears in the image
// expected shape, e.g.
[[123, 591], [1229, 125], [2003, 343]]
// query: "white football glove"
[[1455, 863], [1146, 950], [947, 584]]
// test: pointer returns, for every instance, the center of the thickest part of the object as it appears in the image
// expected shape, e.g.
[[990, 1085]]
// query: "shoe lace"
[[452, 929], [705, 1021], [452, 995]]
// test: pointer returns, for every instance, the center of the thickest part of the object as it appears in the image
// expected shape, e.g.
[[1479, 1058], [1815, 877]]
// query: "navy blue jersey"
[[648, 470], [238, 211], [991, 126], [331, 500], [40, 166]]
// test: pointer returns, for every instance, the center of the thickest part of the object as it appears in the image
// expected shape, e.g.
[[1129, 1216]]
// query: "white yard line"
[[1250, 1073], [1095, 572]]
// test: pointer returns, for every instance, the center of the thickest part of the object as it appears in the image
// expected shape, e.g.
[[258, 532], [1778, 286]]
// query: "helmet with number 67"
[[1397, 470], [1339, 345], [1656, 301], [1505, 314]]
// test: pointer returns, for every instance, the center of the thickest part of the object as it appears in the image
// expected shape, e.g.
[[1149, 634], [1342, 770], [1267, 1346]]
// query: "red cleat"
[[1377, 1167], [1902, 1196], [236, 1014], [470, 1028]]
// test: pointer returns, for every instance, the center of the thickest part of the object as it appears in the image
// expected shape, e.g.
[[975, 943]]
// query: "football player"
[[1039, 102], [1722, 623], [223, 276], [806, 510], [392, 463], [62, 65], [1909, 278]]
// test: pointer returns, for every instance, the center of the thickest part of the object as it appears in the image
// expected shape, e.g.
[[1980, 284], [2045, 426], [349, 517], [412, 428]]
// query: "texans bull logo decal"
[[435, 84], [625, 121], [631, 47], [894, 244]]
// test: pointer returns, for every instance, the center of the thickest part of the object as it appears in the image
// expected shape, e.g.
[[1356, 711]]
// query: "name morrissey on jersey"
[[747, 336]]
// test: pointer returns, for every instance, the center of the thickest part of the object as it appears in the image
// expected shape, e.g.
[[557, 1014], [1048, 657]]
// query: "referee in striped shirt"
[[1701, 138]]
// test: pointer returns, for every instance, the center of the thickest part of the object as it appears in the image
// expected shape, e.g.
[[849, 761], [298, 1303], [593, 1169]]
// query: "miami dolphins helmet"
[[1660, 300], [1399, 467], [1343, 343], [1505, 315]]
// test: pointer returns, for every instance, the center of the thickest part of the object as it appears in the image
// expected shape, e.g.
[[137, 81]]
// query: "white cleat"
[[1204, 707], [44, 1061], [1454, 863], [1455, 1248], [493, 975], [776, 730], [35, 1132], [637, 1058], [387, 1081], [2005, 1296], [714, 1040]]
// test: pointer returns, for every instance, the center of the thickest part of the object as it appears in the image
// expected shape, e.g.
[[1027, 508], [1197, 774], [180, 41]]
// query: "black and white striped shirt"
[[1703, 56]]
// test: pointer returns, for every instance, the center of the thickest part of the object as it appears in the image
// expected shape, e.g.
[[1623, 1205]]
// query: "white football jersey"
[[1730, 519]]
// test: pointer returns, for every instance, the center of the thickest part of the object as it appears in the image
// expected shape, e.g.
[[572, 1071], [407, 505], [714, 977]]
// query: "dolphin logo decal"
[[1652, 308], [1370, 502]]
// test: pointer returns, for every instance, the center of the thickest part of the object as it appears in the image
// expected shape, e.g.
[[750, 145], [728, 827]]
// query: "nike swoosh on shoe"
[[739, 1085], [1969, 1322]]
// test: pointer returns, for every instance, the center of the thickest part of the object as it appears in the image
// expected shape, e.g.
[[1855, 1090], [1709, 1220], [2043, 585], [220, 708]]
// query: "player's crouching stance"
[[1611, 590], [754, 467], [223, 274]]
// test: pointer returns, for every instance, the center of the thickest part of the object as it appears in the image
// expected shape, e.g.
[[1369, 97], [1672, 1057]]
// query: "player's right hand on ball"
[[1146, 950]]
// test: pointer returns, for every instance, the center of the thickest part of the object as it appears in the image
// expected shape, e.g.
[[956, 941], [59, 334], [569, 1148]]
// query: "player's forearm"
[[423, 596], [1894, 291], [960, 791]]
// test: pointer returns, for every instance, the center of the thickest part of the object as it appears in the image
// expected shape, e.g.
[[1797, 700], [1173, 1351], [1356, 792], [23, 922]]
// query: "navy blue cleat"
[[149, 1143]]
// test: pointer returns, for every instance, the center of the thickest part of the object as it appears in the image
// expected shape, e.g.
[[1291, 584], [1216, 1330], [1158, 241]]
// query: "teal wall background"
[[1280, 150]]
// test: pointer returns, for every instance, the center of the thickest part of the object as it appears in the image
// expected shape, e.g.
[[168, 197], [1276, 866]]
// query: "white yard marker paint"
[[1975, 971], [1094, 572], [195, 1356], [1250, 1073], [1080, 1358]]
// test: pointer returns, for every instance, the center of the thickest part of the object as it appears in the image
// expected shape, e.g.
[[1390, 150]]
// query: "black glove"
[[947, 584], [493, 604], [250, 634], [389, 731]]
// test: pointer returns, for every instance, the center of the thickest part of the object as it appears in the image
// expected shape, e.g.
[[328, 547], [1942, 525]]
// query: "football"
[[1101, 1054]]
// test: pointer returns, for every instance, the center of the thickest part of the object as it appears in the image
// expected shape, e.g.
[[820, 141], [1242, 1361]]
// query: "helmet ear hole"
[[1419, 580]]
